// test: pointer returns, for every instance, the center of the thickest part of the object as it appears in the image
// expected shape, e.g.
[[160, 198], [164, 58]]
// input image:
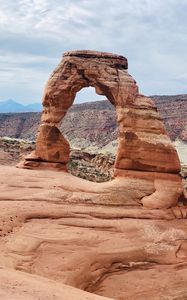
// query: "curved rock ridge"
[[57, 245], [145, 151]]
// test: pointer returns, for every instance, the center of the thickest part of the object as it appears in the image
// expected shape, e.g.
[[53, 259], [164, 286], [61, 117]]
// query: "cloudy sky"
[[152, 34]]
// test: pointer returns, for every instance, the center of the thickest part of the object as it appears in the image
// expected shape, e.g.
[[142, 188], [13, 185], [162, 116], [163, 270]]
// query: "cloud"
[[35, 33]]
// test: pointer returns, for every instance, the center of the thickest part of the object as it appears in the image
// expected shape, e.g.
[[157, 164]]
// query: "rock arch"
[[145, 151]]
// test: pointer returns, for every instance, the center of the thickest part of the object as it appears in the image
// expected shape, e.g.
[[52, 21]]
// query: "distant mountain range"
[[11, 106]]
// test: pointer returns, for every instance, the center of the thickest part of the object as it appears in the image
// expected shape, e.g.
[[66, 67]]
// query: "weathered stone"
[[51, 145], [144, 145], [50, 242]]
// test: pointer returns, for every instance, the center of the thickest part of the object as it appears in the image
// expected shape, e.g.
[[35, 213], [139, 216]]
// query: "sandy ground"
[[53, 247]]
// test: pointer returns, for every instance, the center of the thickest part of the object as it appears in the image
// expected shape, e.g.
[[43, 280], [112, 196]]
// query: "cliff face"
[[19, 125], [173, 110], [94, 123], [91, 123]]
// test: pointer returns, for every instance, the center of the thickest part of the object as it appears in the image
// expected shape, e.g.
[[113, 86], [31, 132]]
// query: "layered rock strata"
[[145, 153]]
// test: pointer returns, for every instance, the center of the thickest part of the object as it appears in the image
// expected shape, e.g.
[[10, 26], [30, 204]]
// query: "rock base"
[[41, 165]]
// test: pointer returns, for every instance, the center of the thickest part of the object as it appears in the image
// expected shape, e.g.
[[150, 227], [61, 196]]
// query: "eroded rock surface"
[[57, 244], [145, 153]]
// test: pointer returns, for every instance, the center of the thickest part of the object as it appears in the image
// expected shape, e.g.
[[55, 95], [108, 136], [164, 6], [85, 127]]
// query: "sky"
[[152, 34]]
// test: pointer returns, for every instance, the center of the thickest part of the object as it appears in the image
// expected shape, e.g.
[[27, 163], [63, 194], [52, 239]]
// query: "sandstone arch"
[[145, 151]]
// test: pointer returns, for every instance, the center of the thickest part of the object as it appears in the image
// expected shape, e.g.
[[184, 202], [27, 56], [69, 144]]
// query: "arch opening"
[[88, 94], [90, 127]]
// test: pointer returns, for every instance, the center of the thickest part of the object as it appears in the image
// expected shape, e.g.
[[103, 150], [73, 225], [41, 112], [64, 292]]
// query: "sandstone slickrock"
[[145, 156], [50, 242]]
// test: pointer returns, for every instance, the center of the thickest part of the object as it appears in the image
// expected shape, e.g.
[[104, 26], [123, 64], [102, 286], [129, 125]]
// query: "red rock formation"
[[145, 152]]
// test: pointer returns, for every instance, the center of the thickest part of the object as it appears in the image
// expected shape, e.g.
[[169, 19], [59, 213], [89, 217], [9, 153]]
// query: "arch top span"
[[97, 54], [106, 72], [145, 151]]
